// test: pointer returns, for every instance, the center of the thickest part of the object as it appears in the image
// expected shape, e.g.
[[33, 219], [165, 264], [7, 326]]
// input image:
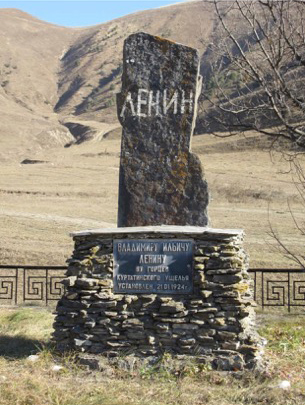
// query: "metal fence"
[[22, 285], [279, 288]]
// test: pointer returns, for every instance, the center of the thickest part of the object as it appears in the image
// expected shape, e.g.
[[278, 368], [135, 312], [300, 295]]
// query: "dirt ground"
[[76, 188]]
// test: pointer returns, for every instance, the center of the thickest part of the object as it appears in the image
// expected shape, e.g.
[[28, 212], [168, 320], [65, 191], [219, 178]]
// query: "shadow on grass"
[[18, 347]]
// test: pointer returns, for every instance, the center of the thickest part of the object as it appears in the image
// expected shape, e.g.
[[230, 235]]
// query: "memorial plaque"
[[153, 266]]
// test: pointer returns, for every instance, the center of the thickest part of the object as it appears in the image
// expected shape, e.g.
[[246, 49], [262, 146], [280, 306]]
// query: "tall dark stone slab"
[[160, 179]]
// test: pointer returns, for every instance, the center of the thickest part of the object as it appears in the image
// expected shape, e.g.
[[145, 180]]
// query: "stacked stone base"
[[215, 324]]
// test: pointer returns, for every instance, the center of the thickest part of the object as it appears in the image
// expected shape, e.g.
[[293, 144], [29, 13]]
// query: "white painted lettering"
[[173, 101], [153, 104], [188, 101], [141, 102], [128, 100]]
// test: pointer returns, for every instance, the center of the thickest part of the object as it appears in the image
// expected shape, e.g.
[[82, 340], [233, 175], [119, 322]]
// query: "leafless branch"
[[263, 43], [256, 81]]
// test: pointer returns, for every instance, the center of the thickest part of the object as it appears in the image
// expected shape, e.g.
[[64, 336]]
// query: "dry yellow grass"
[[77, 189], [24, 382]]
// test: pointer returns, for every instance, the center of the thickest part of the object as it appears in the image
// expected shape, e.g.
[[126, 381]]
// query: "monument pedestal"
[[155, 289]]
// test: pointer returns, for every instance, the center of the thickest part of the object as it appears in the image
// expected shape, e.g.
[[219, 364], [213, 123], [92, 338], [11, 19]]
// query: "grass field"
[[24, 332], [77, 187]]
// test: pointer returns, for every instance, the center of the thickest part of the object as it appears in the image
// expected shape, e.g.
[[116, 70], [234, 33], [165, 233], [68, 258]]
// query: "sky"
[[79, 13]]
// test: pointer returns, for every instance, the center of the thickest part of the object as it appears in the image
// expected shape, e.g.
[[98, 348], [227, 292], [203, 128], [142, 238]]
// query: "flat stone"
[[96, 363], [199, 322], [186, 349], [69, 281], [200, 259], [90, 324], [233, 362], [226, 294], [104, 321], [82, 343], [173, 320], [185, 341], [162, 327], [204, 316], [205, 293], [230, 345], [136, 335], [105, 283], [222, 272], [118, 345], [196, 302], [185, 326], [248, 349], [207, 310], [172, 307], [227, 279], [225, 335], [151, 340], [72, 296], [104, 305], [86, 283], [217, 321], [132, 323], [110, 313], [207, 340], [205, 231]]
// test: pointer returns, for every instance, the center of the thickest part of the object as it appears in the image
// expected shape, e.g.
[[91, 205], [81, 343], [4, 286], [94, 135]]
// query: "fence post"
[[288, 297], [47, 286]]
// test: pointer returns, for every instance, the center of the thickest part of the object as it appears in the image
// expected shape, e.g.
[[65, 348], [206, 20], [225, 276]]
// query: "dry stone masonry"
[[214, 323], [160, 179]]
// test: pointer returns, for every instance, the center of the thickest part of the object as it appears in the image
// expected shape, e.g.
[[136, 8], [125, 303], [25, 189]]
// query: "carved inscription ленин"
[[148, 103], [161, 181]]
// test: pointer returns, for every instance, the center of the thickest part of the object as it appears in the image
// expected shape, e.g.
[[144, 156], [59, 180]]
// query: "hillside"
[[30, 51], [58, 84]]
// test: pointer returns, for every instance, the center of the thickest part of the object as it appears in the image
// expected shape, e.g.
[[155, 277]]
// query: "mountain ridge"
[[51, 75]]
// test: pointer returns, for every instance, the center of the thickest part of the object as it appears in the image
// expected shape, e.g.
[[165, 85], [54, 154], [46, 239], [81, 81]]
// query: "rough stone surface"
[[160, 179], [215, 324]]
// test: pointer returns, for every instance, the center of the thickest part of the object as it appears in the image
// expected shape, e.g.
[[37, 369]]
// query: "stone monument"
[[157, 283], [160, 179]]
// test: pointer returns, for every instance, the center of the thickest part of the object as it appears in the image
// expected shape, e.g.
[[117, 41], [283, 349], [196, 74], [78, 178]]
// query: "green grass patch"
[[27, 331], [285, 334], [24, 331]]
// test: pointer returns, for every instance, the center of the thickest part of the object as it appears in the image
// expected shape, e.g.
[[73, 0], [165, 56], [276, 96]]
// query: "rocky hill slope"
[[29, 60], [58, 84]]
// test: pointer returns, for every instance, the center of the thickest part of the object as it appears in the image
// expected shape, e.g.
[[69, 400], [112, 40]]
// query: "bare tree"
[[255, 80], [297, 252], [256, 77]]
